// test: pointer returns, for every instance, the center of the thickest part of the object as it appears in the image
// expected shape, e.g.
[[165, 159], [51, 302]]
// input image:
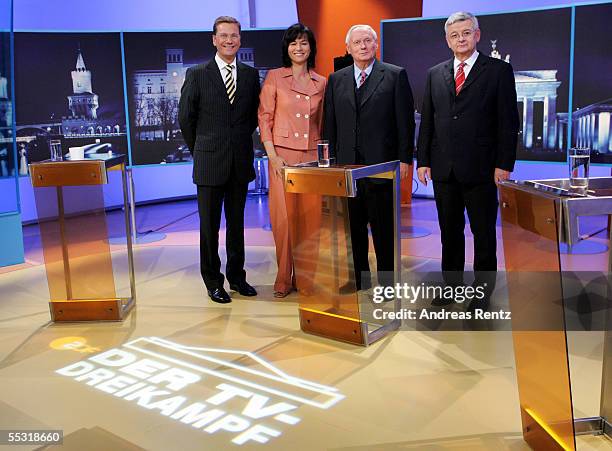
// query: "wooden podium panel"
[[74, 233], [529, 228], [540, 225], [317, 207]]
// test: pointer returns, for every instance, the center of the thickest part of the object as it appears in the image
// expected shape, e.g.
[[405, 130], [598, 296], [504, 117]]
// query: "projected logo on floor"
[[213, 390]]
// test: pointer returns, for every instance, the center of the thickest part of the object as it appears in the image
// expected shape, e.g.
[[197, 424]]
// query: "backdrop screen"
[[8, 181], [7, 161], [69, 87], [592, 99], [156, 64], [536, 43]]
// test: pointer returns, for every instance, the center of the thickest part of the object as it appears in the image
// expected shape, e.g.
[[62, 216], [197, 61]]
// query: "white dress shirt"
[[368, 71], [468, 64], [222, 67]]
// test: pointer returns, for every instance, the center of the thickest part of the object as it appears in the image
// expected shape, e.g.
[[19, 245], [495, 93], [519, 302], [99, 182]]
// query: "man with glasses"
[[467, 144], [369, 119], [217, 115]]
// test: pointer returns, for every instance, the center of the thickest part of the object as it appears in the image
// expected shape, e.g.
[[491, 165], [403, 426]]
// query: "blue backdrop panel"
[[11, 242]]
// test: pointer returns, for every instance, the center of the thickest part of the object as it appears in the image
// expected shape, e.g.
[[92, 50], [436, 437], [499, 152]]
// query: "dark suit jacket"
[[386, 125], [472, 133], [219, 134]]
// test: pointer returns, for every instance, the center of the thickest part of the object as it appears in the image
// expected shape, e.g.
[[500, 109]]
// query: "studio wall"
[[437, 8], [117, 15], [330, 20]]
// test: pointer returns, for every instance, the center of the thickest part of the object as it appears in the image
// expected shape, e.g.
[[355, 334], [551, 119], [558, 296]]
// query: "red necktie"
[[362, 78], [459, 78]]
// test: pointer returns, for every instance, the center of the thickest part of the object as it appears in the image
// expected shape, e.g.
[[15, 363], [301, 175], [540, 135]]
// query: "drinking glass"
[[323, 150], [579, 161], [55, 148]]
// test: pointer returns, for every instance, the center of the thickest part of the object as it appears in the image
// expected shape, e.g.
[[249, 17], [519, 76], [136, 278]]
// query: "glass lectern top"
[[598, 187]]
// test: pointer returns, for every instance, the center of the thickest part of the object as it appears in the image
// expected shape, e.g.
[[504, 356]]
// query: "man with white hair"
[[369, 119], [467, 144]]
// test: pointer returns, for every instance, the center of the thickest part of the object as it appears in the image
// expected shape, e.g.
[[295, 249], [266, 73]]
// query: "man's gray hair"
[[361, 27], [460, 16]]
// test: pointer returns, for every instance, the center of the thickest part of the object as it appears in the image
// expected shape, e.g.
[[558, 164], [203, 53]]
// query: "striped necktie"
[[230, 85], [459, 78], [362, 78]]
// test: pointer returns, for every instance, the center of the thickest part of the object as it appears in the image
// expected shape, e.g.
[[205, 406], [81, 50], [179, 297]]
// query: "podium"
[[74, 236], [317, 206], [553, 296]]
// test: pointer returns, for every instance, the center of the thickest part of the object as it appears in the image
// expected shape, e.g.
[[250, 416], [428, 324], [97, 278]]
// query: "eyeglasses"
[[465, 34], [225, 36], [366, 41]]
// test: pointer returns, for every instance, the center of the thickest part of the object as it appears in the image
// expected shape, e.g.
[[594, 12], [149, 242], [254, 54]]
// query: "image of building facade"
[[83, 105], [78, 118], [6, 131], [156, 94], [591, 127], [6, 110], [545, 131]]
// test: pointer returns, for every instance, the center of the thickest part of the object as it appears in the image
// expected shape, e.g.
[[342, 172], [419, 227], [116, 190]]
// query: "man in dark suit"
[[217, 115], [369, 119], [467, 144]]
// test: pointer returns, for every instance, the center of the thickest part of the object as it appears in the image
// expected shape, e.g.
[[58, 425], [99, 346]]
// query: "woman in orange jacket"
[[290, 123]]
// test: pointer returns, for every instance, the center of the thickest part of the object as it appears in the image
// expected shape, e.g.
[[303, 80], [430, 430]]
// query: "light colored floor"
[[411, 390]]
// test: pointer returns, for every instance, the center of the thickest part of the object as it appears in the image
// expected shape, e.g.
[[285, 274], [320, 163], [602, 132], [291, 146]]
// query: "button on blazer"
[[290, 116]]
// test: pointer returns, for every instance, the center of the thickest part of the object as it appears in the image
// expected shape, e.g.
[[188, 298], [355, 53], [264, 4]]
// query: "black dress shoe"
[[243, 288], [219, 295]]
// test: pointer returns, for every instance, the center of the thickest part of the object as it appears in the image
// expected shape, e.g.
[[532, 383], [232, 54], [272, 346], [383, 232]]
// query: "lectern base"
[[332, 325], [538, 435], [91, 309]]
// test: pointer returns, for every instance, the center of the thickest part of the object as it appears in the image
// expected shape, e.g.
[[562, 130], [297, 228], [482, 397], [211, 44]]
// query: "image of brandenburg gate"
[[591, 127], [540, 86]]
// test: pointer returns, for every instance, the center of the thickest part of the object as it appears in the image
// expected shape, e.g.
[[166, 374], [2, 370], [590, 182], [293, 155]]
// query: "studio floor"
[[410, 390]]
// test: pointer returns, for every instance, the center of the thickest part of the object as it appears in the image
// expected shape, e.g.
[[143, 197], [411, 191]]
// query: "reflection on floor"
[[411, 390]]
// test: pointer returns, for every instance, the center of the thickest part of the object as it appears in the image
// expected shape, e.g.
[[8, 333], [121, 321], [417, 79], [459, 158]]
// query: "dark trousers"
[[373, 205], [210, 201], [480, 201]]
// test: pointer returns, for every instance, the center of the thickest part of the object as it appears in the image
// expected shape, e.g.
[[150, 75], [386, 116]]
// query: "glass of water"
[[323, 150], [579, 160], [55, 148]]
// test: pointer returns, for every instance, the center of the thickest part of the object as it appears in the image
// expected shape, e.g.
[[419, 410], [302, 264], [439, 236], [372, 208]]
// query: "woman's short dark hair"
[[293, 32]]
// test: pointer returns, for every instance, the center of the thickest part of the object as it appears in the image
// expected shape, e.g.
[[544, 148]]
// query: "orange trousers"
[[280, 212]]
